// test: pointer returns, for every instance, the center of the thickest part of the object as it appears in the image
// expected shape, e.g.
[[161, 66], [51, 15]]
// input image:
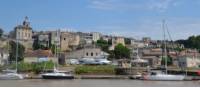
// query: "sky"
[[130, 18]]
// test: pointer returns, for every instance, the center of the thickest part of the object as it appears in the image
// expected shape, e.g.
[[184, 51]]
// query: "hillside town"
[[78, 48]]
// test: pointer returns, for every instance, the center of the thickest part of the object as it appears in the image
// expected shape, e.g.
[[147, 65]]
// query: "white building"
[[24, 31], [4, 55], [188, 61], [116, 41], [95, 36]]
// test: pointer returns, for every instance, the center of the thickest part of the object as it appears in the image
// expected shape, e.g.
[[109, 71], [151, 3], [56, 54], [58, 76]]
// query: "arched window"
[[29, 35], [92, 54]]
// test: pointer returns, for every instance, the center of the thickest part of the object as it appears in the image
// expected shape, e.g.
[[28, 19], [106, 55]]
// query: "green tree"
[[53, 48], [103, 44], [169, 60], [121, 52], [111, 54], [1, 32], [127, 41], [37, 45], [13, 48], [192, 42]]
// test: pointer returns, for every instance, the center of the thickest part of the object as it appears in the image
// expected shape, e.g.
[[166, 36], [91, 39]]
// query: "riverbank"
[[188, 78], [87, 77]]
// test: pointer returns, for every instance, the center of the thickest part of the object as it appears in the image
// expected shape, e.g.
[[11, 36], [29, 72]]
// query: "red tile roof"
[[39, 53]]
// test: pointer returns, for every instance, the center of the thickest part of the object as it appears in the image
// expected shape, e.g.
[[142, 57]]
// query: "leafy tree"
[[121, 52], [111, 54], [192, 42], [109, 41], [37, 45], [1, 32], [169, 60], [127, 41], [53, 47], [13, 47], [103, 44]]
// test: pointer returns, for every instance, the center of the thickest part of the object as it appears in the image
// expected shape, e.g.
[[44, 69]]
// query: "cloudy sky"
[[131, 18]]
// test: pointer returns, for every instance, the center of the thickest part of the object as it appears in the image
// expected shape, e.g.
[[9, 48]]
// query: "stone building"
[[85, 38], [24, 31], [96, 36], [153, 56], [69, 41], [55, 37], [39, 56], [189, 58], [89, 38], [89, 52], [116, 41]]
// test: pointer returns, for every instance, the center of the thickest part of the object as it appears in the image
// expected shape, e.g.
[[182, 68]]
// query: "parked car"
[[92, 61], [74, 61], [103, 61]]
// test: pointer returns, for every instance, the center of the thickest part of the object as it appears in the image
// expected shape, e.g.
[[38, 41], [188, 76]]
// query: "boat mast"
[[16, 52], [56, 41], [165, 51]]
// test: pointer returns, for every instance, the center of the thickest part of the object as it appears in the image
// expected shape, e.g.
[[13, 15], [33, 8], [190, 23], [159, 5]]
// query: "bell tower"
[[26, 23]]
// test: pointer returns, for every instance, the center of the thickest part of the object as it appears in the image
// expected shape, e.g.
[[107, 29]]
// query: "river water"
[[96, 83]]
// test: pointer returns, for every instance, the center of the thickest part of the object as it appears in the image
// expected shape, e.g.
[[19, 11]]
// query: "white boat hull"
[[57, 76], [164, 77], [11, 76]]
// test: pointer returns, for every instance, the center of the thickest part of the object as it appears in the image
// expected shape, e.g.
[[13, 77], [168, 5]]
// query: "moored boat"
[[57, 75], [155, 76], [12, 74], [164, 76]]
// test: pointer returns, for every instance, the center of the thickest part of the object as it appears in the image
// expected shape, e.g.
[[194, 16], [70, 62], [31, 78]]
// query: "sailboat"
[[163, 76], [12, 74], [56, 74]]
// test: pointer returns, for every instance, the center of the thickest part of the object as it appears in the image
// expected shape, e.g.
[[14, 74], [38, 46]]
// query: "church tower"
[[24, 31]]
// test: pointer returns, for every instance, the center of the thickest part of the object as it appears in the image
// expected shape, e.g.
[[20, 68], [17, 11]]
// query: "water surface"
[[96, 83]]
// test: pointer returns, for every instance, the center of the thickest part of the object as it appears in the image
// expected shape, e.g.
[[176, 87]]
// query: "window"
[[64, 38], [86, 54], [18, 33], [91, 54]]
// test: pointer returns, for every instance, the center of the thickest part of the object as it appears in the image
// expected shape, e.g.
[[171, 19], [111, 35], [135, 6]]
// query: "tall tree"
[[103, 44], [1, 32], [13, 47], [168, 59], [192, 42], [121, 52], [127, 41]]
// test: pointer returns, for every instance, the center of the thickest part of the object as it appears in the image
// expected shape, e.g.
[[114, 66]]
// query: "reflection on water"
[[95, 83]]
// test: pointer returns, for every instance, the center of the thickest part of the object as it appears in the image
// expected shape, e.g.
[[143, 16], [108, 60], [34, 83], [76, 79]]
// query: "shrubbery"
[[97, 69], [33, 67]]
